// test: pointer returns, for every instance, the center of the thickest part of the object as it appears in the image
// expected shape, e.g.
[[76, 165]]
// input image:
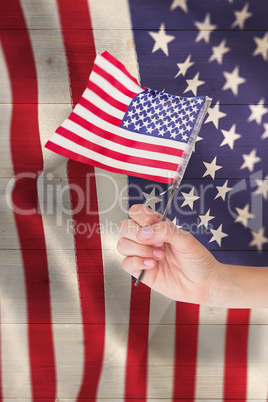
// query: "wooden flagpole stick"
[[173, 191]]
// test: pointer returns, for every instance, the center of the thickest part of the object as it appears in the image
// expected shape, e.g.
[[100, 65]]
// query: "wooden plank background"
[[111, 31]]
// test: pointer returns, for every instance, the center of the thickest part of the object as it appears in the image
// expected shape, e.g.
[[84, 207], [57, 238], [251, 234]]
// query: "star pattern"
[[244, 215], [204, 219], [229, 67], [250, 160], [161, 39], [259, 239], [189, 198], [211, 168], [157, 114], [214, 115], [223, 190], [183, 67], [230, 137], [257, 112], [179, 3], [219, 51], [262, 187], [205, 29], [233, 80], [151, 199], [241, 17], [193, 84], [265, 133], [261, 46], [218, 235]]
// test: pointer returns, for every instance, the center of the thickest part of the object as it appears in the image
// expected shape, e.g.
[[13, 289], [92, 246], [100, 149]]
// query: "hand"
[[175, 263]]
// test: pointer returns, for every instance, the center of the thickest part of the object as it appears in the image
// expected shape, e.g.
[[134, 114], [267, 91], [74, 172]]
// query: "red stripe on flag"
[[79, 158], [80, 51], [119, 65], [28, 162], [113, 81], [137, 354], [186, 337], [109, 99], [99, 112], [123, 140], [114, 154], [236, 354]]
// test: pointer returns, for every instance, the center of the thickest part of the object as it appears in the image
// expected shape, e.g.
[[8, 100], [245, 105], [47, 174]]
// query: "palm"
[[182, 275]]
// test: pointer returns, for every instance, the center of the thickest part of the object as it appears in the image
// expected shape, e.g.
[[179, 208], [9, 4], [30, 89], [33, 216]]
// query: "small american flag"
[[124, 128]]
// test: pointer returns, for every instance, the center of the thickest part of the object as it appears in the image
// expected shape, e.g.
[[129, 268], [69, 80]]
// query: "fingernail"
[[149, 263], [146, 232], [158, 253]]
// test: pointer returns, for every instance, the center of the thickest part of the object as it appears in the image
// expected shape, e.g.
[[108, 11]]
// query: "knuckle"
[[120, 245]]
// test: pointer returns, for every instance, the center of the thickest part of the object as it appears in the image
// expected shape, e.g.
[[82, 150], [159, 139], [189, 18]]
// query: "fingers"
[[134, 265], [167, 232], [130, 248], [143, 215]]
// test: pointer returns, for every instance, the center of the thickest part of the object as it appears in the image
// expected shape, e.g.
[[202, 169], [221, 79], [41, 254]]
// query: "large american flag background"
[[73, 326]]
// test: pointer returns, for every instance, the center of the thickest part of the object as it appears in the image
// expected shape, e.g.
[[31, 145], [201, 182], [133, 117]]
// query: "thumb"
[[166, 232]]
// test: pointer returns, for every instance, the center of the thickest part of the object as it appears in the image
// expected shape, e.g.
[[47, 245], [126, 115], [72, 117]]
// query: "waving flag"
[[121, 127]]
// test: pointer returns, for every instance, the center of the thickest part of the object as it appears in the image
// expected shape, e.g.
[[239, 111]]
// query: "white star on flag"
[[262, 46], [241, 17], [219, 51], [230, 136], [250, 160], [183, 67], [262, 187], [218, 235], [244, 215], [257, 112], [223, 190], [161, 39], [205, 29], [189, 198], [211, 168], [151, 199], [193, 84], [259, 239], [214, 114], [204, 219], [233, 80], [179, 3]]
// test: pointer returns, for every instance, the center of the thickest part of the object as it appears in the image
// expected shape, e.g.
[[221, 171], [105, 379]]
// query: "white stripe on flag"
[[119, 74], [211, 352], [14, 365], [102, 104], [64, 293], [109, 88], [105, 160], [161, 347], [96, 139], [257, 385]]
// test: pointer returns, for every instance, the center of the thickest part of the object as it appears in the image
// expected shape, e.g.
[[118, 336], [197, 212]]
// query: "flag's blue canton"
[[218, 49], [159, 114]]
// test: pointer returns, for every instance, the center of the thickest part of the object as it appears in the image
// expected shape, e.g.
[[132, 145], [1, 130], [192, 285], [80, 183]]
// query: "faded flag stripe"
[[30, 228], [13, 309], [65, 305], [185, 353], [88, 255], [137, 354], [236, 355]]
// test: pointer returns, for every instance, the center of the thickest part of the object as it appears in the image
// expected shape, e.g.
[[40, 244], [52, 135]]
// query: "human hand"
[[175, 263]]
